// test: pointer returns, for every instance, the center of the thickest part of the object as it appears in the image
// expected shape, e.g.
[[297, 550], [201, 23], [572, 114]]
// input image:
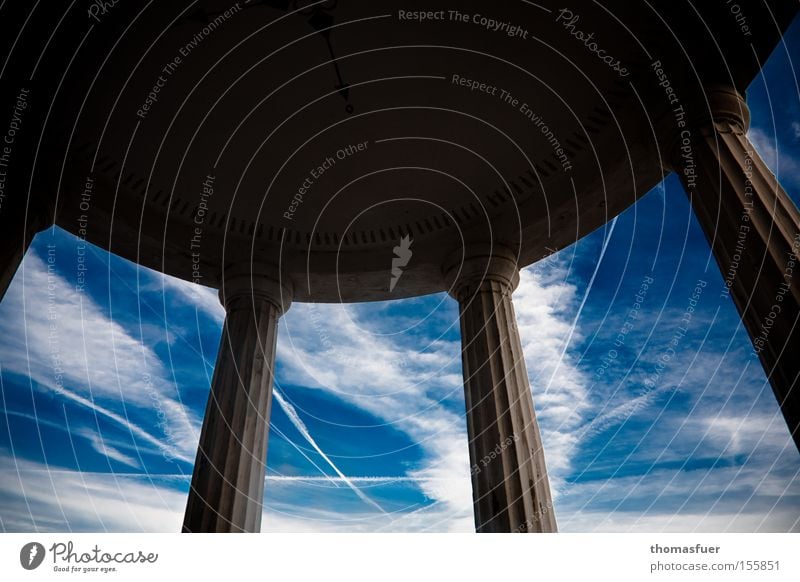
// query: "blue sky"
[[103, 389]]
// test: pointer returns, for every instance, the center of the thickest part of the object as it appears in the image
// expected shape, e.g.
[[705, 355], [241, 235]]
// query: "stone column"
[[228, 480], [17, 229], [754, 230], [510, 489]]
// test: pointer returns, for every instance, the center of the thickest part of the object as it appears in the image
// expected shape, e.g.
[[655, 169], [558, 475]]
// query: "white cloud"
[[754, 497], [784, 166], [632, 522], [38, 497], [67, 344], [744, 434], [42, 498], [205, 299], [328, 347], [100, 445], [544, 304], [431, 519]]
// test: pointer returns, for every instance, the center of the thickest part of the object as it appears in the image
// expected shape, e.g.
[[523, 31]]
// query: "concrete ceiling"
[[324, 134]]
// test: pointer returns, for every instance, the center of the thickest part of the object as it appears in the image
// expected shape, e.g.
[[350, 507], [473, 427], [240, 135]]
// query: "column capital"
[[724, 107], [720, 109], [475, 267], [246, 281]]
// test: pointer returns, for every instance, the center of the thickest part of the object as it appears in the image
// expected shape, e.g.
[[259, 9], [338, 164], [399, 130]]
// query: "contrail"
[[361, 478], [301, 427], [325, 476], [134, 429], [583, 301], [309, 478]]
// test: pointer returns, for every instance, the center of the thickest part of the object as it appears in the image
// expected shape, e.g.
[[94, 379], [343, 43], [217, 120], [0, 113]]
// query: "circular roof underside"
[[320, 136]]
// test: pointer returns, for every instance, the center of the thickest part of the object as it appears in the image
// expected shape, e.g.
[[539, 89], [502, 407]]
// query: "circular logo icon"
[[31, 555]]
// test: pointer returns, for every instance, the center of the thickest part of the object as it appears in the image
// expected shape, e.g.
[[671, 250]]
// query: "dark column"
[[510, 489], [754, 230], [17, 229], [228, 481]]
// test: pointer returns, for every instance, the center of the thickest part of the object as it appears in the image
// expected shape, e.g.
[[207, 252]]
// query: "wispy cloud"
[[301, 427], [778, 158], [62, 340], [204, 299], [722, 498], [104, 448], [66, 500], [545, 304]]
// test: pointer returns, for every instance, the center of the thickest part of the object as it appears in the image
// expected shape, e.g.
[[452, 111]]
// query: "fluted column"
[[754, 230], [228, 480], [510, 489]]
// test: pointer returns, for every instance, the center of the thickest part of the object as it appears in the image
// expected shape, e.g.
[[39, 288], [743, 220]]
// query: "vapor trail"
[[583, 301], [301, 427]]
